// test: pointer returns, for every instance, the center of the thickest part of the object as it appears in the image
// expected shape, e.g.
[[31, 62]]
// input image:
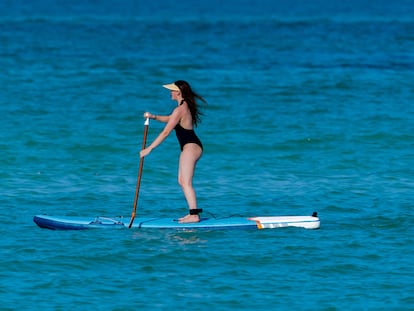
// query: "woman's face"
[[175, 95]]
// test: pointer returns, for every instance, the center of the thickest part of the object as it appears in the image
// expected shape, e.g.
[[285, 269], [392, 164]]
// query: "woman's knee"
[[184, 183]]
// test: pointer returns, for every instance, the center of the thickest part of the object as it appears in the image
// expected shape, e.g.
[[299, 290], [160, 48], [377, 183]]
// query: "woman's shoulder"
[[181, 109], [177, 114]]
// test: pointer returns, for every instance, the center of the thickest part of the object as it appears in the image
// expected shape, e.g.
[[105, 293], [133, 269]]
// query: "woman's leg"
[[188, 160]]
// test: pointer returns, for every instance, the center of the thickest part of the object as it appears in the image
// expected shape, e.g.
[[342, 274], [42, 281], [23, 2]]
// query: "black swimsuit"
[[185, 136]]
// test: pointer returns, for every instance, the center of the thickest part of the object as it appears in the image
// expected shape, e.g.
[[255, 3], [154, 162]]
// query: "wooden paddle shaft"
[[141, 164]]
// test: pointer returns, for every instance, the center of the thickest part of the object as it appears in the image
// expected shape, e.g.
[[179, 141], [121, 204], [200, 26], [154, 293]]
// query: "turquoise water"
[[310, 108]]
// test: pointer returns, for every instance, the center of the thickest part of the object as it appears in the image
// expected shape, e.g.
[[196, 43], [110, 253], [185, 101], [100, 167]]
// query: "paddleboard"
[[265, 222]]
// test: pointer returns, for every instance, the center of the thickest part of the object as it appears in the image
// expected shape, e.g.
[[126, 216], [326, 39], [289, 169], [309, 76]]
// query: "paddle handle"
[[141, 165]]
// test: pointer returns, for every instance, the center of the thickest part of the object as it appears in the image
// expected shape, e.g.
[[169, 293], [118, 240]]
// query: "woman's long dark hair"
[[191, 99]]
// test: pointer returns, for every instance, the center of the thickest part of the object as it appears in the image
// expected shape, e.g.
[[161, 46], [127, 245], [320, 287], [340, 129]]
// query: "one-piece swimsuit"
[[186, 136]]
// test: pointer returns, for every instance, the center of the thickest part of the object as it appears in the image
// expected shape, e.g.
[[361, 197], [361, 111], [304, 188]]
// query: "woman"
[[183, 119]]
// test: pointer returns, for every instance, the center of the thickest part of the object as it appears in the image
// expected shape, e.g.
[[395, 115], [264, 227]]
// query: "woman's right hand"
[[144, 152], [147, 115]]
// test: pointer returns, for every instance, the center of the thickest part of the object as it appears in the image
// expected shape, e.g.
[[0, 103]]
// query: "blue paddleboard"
[[82, 223]]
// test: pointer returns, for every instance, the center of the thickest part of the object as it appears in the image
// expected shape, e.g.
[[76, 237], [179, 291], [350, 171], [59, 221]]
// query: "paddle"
[[141, 164]]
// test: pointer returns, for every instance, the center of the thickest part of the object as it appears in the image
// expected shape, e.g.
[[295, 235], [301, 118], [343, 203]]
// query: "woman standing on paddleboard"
[[183, 119]]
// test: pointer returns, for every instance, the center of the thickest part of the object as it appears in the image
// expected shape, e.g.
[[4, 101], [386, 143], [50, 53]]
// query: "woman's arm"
[[163, 119], [173, 119]]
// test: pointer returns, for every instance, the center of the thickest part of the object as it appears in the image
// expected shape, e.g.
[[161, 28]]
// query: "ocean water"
[[310, 108]]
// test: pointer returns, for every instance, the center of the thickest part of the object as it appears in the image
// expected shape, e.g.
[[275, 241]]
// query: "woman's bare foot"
[[189, 219]]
